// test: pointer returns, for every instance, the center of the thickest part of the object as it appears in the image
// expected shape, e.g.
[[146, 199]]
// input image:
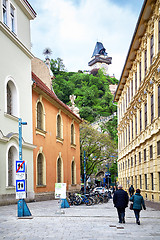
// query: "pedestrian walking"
[[131, 190], [138, 203], [120, 200]]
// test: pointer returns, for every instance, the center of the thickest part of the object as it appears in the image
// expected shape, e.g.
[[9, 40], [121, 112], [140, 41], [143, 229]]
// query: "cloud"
[[71, 29]]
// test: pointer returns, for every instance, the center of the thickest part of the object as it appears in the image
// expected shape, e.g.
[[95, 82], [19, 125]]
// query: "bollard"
[[23, 210]]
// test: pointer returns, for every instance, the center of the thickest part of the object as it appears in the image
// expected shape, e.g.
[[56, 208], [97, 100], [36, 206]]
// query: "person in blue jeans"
[[138, 203]]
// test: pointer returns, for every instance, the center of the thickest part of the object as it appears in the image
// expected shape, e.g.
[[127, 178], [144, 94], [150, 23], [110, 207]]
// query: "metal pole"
[[20, 138], [84, 172]]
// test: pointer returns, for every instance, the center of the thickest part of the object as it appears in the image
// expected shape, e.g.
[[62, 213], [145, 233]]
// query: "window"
[[40, 168], [73, 171], [136, 181], [131, 161], [128, 94], [145, 62], [59, 170], [140, 113], [5, 12], [159, 180], [135, 160], [72, 134], [145, 176], [128, 163], [152, 181], [145, 115], [59, 126], [144, 155], [151, 151], [126, 101], [158, 101], [158, 148], [12, 17], [132, 129], [159, 35], [140, 181], [9, 100], [126, 136], [135, 81], [152, 109], [12, 155], [140, 77], [12, 103], [131, 88], [136, 125], [39, 116], [139, 157], [129, 132], [152, 48]]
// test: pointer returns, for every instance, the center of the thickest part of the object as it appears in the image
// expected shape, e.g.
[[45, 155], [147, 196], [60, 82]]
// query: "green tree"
[[57, 65], [98, 148], [114, 171]]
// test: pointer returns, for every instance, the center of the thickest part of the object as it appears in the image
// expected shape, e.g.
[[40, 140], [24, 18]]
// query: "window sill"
[[10, 188], [11, 117], [73, 145], [41, 186], [60, 140], [41, 132]]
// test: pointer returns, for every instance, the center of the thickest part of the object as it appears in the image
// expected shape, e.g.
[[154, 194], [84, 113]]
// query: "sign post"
[[21, 184], [60, 193]]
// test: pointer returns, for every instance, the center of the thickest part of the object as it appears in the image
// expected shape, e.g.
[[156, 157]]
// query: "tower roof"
[[99, 49]]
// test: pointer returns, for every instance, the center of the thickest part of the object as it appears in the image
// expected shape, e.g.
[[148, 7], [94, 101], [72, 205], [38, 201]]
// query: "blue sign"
[[107, 174], [20, 166], [20, 186]]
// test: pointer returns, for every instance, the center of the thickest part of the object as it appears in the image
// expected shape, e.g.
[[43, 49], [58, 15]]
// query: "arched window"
[[40, 169], [9, 100], [59, 170], [39, 116], [59, 126], [12, 103], [12, 156], [72, 134], [73, 173]]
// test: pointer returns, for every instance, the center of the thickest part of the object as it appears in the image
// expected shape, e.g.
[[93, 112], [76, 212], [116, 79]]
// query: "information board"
[[60, 190]]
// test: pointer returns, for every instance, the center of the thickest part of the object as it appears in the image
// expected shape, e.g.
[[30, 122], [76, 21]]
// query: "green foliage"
[[93, 96], [113, 170], [111, 128], [57, 65], [97, 146]]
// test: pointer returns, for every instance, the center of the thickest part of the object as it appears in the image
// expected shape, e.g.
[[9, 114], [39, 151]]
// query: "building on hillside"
[[100, 59], [56, 135], [15, 94], [138, 97]]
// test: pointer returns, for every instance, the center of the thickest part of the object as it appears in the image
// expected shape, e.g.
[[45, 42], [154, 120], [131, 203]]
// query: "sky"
[[71, 28]]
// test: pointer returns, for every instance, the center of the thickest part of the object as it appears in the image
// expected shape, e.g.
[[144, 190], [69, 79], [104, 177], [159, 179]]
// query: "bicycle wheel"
[[88, 202]]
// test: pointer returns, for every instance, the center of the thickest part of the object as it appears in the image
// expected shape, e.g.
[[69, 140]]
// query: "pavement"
[[96, 222]]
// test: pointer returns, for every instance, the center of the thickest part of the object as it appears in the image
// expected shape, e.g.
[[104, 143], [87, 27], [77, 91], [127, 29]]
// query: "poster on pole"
[[60, 190]]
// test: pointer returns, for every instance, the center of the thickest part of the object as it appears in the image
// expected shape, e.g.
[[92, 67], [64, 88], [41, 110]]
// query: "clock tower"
[[100, 58]]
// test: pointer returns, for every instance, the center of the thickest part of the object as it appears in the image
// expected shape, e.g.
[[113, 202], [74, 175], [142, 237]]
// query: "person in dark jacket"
[[138, 203], [131, 190], [120, 200]]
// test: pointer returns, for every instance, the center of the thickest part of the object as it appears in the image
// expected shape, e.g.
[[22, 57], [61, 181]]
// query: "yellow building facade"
[[138, 97]]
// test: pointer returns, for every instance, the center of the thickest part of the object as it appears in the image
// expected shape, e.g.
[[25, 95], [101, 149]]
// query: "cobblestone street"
[[95, 222]]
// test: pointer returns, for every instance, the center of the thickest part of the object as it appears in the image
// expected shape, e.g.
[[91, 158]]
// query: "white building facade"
[[15, 94]]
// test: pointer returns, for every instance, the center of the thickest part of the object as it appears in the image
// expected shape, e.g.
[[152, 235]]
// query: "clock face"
[[104, 66]]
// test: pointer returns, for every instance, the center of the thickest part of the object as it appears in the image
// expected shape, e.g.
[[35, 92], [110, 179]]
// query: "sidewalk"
[[97, 222]]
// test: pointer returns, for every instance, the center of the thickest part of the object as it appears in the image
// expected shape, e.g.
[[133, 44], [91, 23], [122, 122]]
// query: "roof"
[[38, 83], [99, 49], [134, 46], [30, 7]]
